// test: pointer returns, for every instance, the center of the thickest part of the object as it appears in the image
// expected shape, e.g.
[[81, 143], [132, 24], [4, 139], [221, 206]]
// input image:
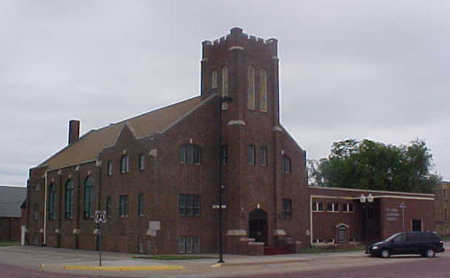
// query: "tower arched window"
[[225, 86], [52, 201], [68, 200], [214, 79], [190, 154], [251, 88], [124, 164], [88, 197], [263, 90]]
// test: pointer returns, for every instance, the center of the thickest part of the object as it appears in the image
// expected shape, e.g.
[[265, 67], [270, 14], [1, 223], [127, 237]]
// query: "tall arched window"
[[214, 79], [224, 86], [124, 164], [190, 154], [52, 201], [68, 200], [263, 90], [251, 88], [88, 197], [287, 167]]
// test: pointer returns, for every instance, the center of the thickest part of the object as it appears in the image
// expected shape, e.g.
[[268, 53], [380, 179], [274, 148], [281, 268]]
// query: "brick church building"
[[157, 175]]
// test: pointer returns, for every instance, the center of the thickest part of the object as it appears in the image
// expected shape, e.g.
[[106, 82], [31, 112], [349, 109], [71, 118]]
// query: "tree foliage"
[[372, 165]]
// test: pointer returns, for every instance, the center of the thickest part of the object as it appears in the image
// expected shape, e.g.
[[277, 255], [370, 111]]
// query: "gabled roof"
[[11, 198], [89, 146]]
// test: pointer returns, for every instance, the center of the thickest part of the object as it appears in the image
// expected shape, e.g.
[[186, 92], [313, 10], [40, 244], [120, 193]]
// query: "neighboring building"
[[157, 175], [442, 207], [350, 216], [11, 198]]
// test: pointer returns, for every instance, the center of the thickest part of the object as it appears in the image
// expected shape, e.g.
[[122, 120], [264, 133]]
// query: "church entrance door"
[[257, 225]]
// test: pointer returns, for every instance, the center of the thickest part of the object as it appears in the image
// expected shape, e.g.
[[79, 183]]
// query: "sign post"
[[99, 218]]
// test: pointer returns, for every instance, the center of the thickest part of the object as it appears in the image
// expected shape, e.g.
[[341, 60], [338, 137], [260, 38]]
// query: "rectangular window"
[[123, 206], [108, 206], [141, 162], [109, 168], [224, 86], [37, 186], [348, 207], [214, 79], [140, 204], [287, 208], [333, 207], [251, 155], [188, 245], [317, 206], [36, 212], [263, 156], [189, 205], [251, 88], [224, 154], [263, 90]]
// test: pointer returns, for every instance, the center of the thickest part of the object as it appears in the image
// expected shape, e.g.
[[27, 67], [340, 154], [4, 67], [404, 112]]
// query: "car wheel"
[[430, 253], [384, 253]]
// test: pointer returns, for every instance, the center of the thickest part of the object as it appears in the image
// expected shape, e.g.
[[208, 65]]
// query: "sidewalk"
[[124, 265]]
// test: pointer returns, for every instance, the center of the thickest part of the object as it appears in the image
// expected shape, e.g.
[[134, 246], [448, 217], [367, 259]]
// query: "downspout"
[[45, 209], [311, 219]]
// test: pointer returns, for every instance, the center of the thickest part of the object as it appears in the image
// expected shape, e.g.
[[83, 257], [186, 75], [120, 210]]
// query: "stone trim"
[[279, 232], [236, 232], [236, 122]]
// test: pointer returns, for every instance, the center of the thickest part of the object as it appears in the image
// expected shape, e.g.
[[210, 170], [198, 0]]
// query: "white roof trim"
[[374, 191]]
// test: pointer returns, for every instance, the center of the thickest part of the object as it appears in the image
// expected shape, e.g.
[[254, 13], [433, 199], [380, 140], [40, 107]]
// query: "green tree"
[[373, 165]]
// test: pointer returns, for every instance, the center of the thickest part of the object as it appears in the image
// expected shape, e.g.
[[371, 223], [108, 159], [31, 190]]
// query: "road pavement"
[[29, 261]]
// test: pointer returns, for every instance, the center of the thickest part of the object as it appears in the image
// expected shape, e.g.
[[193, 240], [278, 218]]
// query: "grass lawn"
[[172, 257], [9, 243]]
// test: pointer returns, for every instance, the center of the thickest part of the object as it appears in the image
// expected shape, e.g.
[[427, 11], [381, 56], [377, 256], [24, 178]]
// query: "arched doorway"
[[257, 225], [342, 233]]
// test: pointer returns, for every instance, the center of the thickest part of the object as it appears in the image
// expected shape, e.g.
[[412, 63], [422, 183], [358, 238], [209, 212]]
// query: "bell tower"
[[245, 68]]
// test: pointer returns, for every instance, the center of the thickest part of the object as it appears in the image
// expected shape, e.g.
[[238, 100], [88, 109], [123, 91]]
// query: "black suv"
[[426, 244]]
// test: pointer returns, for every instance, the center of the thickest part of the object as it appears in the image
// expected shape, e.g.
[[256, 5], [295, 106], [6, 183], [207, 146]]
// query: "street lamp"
[[366, 201], [221, 187]]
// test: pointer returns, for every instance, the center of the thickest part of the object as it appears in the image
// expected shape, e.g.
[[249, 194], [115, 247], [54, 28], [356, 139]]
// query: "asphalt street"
[[50, 262]]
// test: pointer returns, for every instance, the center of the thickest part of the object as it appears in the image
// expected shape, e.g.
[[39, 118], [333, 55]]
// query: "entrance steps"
[[277, 251]]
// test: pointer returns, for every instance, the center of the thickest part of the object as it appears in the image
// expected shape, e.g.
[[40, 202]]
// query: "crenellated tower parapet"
[[245, 68]]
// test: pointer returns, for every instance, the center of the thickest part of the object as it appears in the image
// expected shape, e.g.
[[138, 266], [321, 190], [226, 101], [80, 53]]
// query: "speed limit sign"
[[100, 216]]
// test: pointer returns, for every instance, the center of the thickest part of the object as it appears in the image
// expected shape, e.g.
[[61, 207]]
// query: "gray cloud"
[[360, 69]]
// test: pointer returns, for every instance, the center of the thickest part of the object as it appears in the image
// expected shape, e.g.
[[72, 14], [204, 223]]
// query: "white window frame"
[[333, 207], [316, 207]]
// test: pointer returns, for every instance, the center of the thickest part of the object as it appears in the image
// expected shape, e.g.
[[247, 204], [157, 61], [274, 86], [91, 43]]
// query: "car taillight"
[[441, 243]]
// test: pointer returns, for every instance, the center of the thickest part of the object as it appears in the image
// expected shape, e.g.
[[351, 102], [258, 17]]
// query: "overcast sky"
[[348, 69]]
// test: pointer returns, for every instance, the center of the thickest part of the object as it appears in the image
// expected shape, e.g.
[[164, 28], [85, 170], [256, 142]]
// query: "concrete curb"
[[261, 263], [123, 268]]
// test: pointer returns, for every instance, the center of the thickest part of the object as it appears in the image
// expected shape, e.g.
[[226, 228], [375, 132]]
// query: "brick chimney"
[[74, 131]]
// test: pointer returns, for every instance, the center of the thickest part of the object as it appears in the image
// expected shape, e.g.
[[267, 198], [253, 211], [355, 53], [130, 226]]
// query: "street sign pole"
[[99, 227], [99, 218]]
